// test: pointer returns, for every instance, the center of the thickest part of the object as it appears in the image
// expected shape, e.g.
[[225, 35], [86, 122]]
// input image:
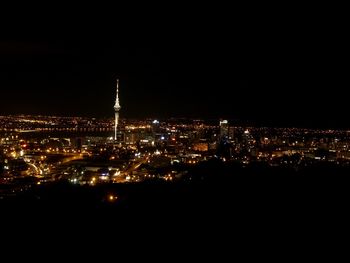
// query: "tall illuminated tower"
[[116, 111], [224, 129]]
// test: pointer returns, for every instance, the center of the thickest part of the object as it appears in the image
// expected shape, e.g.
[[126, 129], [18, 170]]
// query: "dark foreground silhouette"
[[212, 189], [256, 210]]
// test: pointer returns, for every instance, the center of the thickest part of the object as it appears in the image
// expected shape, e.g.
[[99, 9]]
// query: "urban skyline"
[[170, 79], [179, 140], [201, 162], [198, 131], [39, 151]]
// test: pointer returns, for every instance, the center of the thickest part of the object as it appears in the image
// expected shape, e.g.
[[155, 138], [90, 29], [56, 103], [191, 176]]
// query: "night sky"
[[268, 75]]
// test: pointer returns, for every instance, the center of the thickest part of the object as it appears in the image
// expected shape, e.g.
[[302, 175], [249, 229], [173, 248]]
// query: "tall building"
[[224, 128], [248, 139], [116, 111], [156, 126]]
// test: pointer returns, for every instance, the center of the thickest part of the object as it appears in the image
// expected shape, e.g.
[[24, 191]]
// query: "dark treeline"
[[214, 200], [209, 185]]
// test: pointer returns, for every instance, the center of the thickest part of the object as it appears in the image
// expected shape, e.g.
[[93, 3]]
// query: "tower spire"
[[116, 111], [117, 105]]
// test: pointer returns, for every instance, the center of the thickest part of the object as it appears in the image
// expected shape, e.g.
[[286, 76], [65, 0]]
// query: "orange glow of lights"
[[112, 198]]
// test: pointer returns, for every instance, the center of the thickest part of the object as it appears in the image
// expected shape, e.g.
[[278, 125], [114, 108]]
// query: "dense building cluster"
[[35, 150]]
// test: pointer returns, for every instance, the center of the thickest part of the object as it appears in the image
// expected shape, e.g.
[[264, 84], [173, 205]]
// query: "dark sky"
[[269, 74]]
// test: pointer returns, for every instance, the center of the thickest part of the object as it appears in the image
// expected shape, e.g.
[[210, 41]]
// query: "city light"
[[145, 152], [112, 198]]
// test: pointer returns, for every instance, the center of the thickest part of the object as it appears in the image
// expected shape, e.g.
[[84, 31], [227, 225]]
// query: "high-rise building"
[[224, 128], [117, 107], [248, 139]]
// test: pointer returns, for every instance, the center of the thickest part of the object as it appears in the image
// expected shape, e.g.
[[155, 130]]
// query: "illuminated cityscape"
[[171, 132], [165, 163], [39, 150]]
